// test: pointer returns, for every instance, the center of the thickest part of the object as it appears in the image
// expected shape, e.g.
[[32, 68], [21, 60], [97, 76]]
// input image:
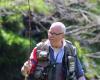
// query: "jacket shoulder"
[[70, 47], [68, 42]]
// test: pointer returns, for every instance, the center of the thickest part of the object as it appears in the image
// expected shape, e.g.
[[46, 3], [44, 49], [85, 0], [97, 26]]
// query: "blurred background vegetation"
[[23, 23]]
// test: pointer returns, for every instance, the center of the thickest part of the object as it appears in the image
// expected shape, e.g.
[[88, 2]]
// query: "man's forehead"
[[56, 30], [56, 27]]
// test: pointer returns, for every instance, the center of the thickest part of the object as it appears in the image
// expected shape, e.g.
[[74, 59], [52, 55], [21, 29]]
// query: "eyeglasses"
[[53, 33]]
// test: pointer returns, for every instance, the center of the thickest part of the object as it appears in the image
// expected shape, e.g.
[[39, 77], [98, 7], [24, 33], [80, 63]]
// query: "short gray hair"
[[59, 24]]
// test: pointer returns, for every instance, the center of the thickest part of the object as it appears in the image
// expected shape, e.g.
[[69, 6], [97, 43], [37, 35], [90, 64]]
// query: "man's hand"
[[82, 78], [26, 68]]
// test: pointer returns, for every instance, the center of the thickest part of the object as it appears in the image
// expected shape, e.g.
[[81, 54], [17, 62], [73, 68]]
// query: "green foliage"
[[92, 1], [97, 69], [14, 5], [1, 20], [96, 8], [12, 22], [81, 50], [95, 47], [90, 66], [11, 39], [38, 6], [14, 50]]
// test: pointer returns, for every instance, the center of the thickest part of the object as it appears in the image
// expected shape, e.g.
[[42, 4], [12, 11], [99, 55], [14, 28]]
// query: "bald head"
[[58, 25]]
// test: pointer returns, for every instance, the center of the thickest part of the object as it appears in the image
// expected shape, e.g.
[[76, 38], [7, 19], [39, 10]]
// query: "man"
[[55, 58]]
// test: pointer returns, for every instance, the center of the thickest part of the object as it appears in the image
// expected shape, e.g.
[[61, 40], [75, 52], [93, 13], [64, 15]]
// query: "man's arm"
[[30, 65], [78, 69], [82, 78], [33, 59]]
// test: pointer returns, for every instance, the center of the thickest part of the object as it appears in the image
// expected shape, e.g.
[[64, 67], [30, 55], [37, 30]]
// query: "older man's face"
[[55, 34]]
